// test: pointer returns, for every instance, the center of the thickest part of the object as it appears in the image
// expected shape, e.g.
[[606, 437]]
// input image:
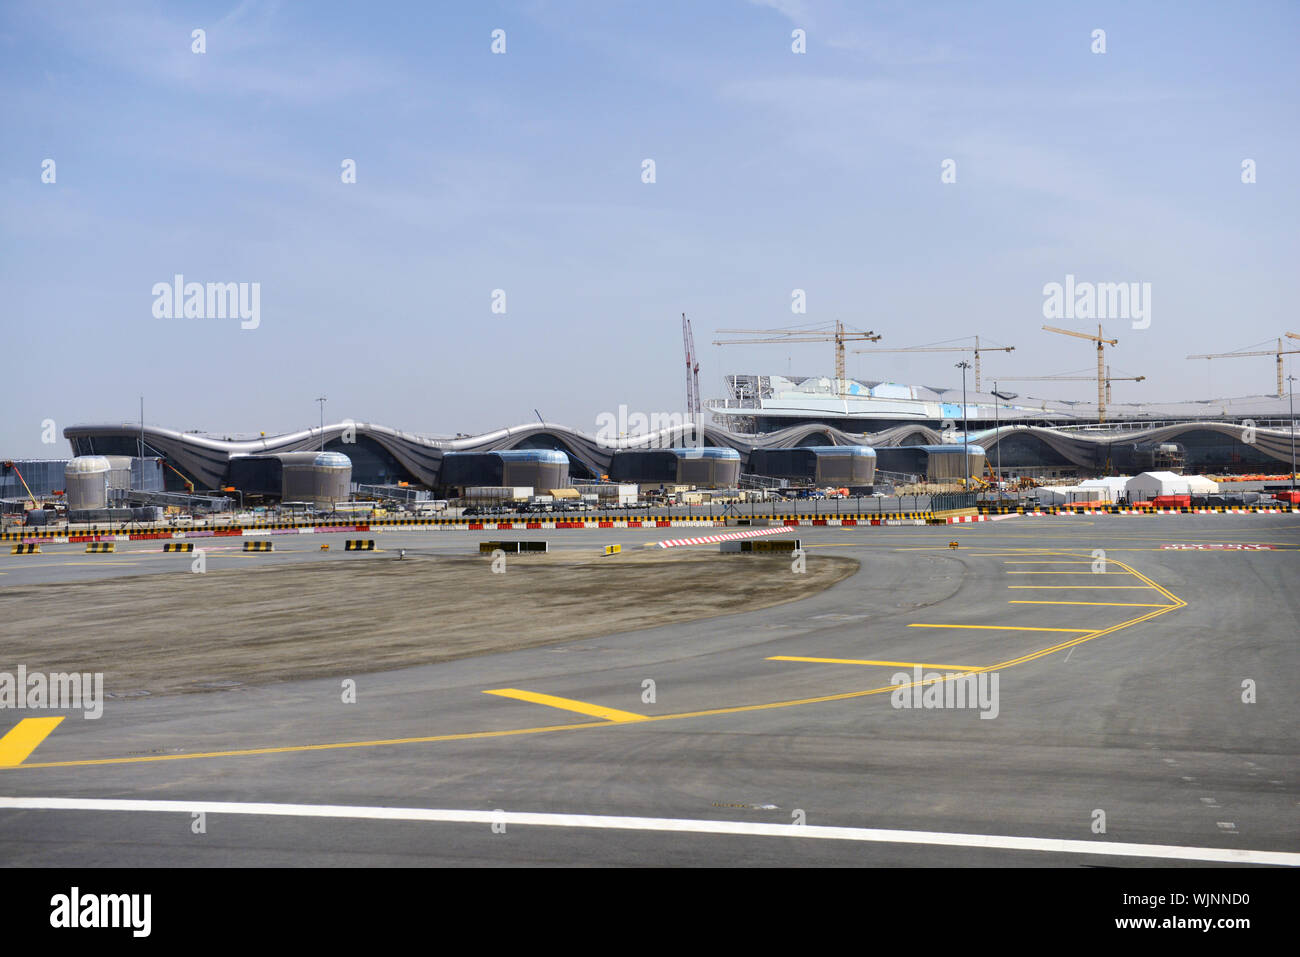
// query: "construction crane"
[[10, 465], [1074, 378], [977, 349], [1101, 362], [1279, 352], [839, 336], [692, 370]]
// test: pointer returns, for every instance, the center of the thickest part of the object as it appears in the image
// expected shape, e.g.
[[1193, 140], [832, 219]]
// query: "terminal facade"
[[548, 455]]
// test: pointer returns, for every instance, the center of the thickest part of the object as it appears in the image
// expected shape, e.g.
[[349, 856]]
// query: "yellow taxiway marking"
[[1040, 561], [568, 704], [1065, 573], [109, 561], [859, 661], [1112, 604], [1083, 586], [1004, 628], [24, 738], [1176, 603]]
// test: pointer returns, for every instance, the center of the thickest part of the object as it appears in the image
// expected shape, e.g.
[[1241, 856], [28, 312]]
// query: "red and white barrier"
[[725, 537]]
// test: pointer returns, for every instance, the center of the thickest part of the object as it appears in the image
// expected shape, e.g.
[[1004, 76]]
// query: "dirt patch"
[[186, 633]]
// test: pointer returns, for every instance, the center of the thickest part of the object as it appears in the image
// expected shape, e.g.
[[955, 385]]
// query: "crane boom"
[[1102, 342], [1083, 335], [976, 349], [1075, 378], [839, 335], [1279, 352], [692, 369]]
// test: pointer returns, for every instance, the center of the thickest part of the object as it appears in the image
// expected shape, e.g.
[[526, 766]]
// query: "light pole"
[[1291, 393], [321, 400], [965, 430], [997, 431]]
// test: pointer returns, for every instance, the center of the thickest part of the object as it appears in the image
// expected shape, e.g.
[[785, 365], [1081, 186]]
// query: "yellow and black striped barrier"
[[259, 546], [178, 547], [27, 548], [100, 548], [359, 545], [613, 549]]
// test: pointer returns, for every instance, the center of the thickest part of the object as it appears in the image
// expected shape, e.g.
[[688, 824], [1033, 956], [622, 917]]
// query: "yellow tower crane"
[[1279, 352], [839, 335], [1101, 362], [976, 349]]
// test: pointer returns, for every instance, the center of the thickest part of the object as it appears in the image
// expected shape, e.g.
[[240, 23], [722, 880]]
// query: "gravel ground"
[[176, 634]]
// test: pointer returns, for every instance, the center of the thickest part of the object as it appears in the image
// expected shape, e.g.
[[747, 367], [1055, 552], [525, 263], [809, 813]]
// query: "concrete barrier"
[[100, 548], [752, 545], [259, 546], [487, 548], [27, 548], [178, 546], [359, 545]]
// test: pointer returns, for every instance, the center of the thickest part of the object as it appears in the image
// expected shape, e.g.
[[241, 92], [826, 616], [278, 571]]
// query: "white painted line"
[[676, 825]]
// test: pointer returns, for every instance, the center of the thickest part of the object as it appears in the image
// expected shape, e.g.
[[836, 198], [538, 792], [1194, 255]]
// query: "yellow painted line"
[[1112, 604], [109, 561], [858, 661], [1004, 628], [24, 738], [568, 704], [1176, 603], [546, 729], [1130, 587]]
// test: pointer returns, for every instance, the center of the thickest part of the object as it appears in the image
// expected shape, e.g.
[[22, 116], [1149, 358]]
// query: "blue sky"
[[522, 172]]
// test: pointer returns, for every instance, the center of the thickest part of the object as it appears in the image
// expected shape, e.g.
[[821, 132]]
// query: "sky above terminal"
[[523, 172]]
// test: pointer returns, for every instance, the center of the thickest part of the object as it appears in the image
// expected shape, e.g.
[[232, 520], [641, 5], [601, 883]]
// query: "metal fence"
[[947, 500]]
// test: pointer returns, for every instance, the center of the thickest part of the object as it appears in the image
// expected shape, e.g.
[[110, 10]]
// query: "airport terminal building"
[[546, 455]]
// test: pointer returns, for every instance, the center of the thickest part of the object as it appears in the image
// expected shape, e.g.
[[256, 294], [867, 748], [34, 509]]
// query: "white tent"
[[1111, 487], [1148, 485], [1200, 485], [1068, 494]]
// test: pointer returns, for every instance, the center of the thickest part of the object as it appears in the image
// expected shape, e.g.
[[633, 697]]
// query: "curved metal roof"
[[206, 458]]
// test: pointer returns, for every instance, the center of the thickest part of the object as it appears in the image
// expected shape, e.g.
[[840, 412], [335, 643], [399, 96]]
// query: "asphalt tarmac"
[[1143, 714]]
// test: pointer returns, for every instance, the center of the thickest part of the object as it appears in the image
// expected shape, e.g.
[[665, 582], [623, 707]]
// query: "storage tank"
[[948, 461], [535, 468], [322, 478], [85, 480], [849, 465], [708, 467]]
